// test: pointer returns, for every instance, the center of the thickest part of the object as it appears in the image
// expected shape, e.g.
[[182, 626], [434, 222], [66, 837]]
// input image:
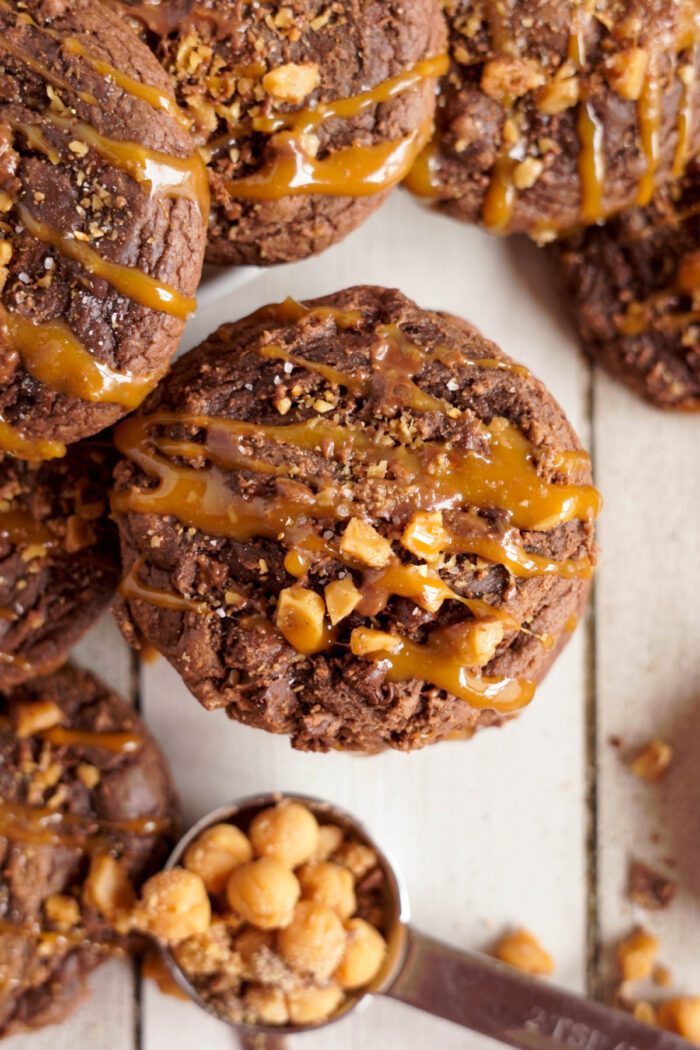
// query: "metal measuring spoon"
[[467, 988]]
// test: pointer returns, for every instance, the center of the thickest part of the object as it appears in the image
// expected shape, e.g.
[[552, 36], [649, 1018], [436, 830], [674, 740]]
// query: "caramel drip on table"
[[162, 174], [118, 743], [20, 822], [434, 662], [32, 449], [649, 110], [153, 96], [137, 285], [591, 161], [51, 353], [131, 587], [354, 171]]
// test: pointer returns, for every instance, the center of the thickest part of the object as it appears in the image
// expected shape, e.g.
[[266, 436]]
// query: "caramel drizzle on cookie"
[[51, 353], [435, 476], [148, 93], [164, 176], [353, 171], [134, 589], [501, 194], [653, 311], [35, 450], [42, 825], [134, 284]]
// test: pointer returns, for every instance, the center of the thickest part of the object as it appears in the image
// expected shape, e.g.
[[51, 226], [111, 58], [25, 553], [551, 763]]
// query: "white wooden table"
[[533, 824]]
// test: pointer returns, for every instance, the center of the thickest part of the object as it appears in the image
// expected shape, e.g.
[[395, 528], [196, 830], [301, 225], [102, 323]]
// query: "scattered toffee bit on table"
[[649, 888]]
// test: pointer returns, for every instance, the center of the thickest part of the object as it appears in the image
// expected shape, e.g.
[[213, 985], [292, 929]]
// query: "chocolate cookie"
[[633, 287], [59, 557], [103, 203], [556, 114], [354, 521], [87, 811], [307, 113]]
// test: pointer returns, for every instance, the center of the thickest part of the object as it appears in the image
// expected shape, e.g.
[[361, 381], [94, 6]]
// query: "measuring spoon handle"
[[486, 996]]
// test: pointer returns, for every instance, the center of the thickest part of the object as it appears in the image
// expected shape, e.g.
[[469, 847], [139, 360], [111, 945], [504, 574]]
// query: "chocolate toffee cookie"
[[87, 811], [103, 201], [557, 114], [354, 521], [59, 556], [633, 286], [307, 113]]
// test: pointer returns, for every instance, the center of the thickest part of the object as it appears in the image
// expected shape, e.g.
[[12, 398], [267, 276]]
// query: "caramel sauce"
[[591, 161], [654, 310], [11, 660], [148, 654], [55, 938], [147, 93], [153, 968], [354, 171], [32, 449], [290, 312], [36, 140], [51, 353], [303, 121], [162, 174], [43, 71], [425, 587], [501, 194], [649, 110], [422, 180], [118, 743], [357, 383], [503, 475], [395, 361], [435, 662], [41, 825], [684, 129], [135, 284], [132, 588], [20, 529], [504, 550], [444, 477]]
